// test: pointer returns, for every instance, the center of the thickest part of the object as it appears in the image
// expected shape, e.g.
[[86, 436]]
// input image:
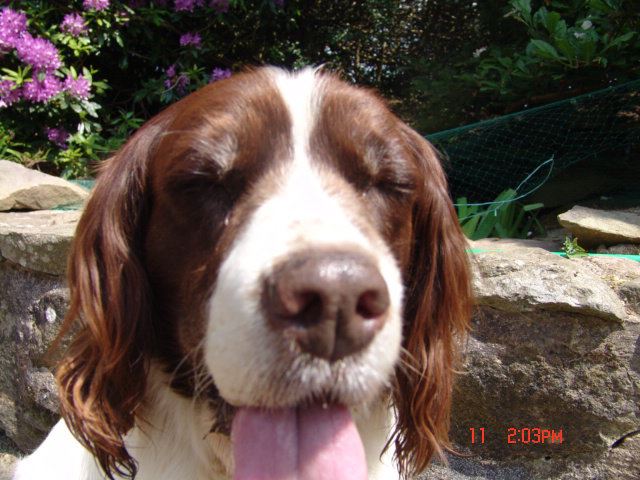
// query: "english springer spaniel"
[[268, 282]]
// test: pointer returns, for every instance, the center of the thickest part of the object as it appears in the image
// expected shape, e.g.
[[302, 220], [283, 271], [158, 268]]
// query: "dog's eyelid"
[[395, 179]]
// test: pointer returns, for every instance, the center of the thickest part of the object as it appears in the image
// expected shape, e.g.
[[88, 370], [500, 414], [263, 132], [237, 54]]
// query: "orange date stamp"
[[520, 436]]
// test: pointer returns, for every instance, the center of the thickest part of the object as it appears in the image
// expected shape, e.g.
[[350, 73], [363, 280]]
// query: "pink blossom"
[[58, 136], [95, 4], [9, 94], [77, 87], [41, 91], [190, 39], [12, 26], [181, 84], [219, 74], [73, 24], [40, 53], [187, 5]]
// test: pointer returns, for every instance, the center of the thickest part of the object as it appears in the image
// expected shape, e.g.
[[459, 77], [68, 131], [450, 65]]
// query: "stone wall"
[[33, 301], [555, 346]]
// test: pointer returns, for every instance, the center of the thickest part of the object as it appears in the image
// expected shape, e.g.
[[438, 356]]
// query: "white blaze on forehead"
[[244, 355], [300, 92]]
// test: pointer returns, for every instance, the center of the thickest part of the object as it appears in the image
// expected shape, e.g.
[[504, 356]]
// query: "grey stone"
[[555, 345], [608, 227], [529, 279], [32, 306], [24, 189], [38, 241], [622, 249], [570, 364]]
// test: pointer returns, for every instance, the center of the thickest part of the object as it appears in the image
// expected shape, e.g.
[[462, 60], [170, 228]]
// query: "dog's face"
[[306, 199], [280, 239]]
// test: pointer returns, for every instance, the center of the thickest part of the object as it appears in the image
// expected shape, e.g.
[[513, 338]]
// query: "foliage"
[[594, 37], [505, 217], [572, 249], [534, 52], [113, 63]]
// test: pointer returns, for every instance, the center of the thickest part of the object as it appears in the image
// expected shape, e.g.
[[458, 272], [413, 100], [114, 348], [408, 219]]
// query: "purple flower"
[[73, 24], [57, 136], [190, 39], [41, 54], [12, 26], [181, 84], [220, 6], [137, 3], [77, 87], [187, 5], [42, 90], [219, 74], [170, 72], [9, 94], [95, 4]]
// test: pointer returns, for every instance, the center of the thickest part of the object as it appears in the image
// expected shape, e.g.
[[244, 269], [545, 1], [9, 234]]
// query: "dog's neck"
[[172, 437]]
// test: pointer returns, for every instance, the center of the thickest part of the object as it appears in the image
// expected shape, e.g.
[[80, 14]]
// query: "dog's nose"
[[331, 303]]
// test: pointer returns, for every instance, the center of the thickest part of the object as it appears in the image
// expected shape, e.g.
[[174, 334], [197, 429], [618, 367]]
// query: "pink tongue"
[[312, 443]]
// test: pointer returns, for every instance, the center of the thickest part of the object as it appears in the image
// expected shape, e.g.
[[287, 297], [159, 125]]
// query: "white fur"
[[244, 357], [175, 444], [258, 367]]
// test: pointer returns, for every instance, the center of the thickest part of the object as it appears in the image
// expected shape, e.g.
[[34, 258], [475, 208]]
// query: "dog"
[[268, 281]]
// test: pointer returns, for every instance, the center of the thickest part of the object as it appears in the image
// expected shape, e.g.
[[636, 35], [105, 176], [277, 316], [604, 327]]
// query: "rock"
[[38, 241], [554, 346], [24, 189], [595, 227], [622, 249], [553, 349], [549, 244], [32, 306], [531, 279]]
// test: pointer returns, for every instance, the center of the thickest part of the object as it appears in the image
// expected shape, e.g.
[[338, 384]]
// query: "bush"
[[79, 76], [523, 53]]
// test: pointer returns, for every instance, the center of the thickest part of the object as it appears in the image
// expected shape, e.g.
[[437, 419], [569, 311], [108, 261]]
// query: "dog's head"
[[273, 240]]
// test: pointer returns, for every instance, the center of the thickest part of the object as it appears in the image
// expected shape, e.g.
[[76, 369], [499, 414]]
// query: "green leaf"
[[486, 226], [620, 40], [523, 7], [533, 206], [600, 6], [566, 47], [572, 249], [470, 226], [542, 49]]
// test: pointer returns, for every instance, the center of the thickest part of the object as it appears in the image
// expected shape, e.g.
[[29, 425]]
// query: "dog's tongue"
[[312, 443]]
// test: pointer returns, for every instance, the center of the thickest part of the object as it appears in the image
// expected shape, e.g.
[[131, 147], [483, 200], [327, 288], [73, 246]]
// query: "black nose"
[[330, 302]]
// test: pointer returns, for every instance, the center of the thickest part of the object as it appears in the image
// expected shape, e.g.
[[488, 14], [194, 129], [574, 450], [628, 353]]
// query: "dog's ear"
[[102, 375], [437, 312]]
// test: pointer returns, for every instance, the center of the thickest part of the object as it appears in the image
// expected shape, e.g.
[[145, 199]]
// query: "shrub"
[[79, 76]]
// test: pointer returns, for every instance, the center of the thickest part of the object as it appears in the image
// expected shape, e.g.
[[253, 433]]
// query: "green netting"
[[522, 150]]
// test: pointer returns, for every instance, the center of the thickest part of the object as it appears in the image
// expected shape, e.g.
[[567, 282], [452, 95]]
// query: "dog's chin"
[[298, 394], [311, 381]]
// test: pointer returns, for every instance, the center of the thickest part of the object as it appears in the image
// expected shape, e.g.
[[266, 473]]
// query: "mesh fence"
[[523, 150]]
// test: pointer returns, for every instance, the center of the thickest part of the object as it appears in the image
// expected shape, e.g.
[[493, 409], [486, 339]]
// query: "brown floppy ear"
[[437, 312], [102, 375]]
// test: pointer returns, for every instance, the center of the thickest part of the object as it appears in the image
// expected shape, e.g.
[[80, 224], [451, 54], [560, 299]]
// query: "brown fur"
[[133, 273]]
